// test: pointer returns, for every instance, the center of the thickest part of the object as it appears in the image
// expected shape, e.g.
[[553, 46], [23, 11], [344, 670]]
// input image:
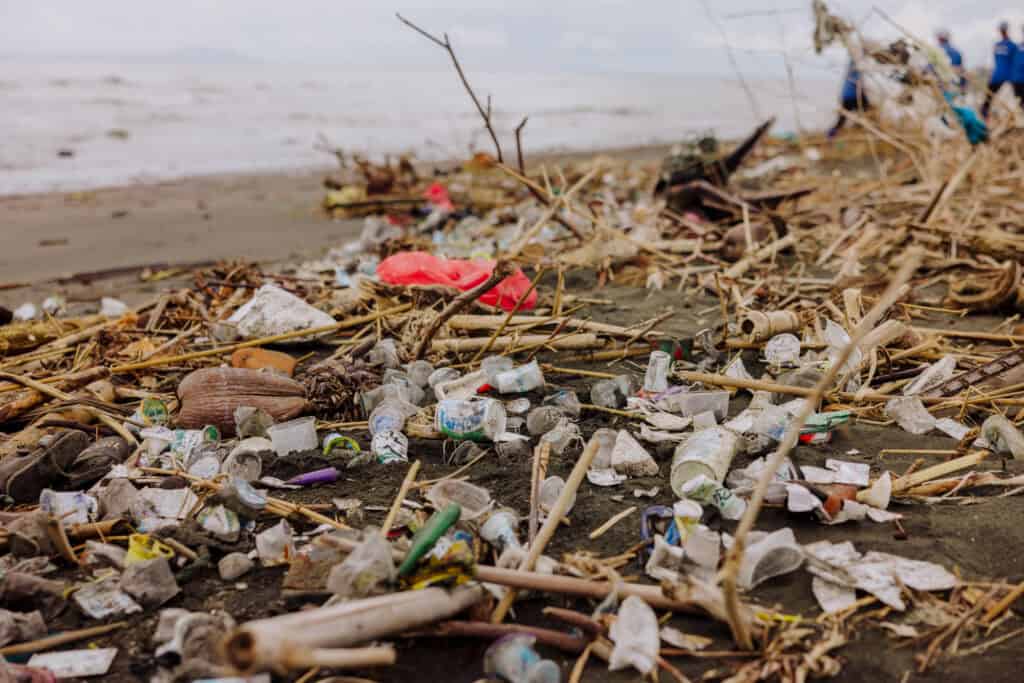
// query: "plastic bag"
[[421, 268]]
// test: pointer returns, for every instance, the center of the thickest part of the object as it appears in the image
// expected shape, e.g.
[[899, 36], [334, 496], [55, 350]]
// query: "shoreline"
[[264, 217]]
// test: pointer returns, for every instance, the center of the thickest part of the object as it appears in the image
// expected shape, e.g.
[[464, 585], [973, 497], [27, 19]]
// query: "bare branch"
[[519, 146], [485, 114]]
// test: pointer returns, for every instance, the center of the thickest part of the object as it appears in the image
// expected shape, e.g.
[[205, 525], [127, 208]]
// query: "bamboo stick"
[[935, 471], [615, 519], [56, 640], [410, 477], [454, 345]]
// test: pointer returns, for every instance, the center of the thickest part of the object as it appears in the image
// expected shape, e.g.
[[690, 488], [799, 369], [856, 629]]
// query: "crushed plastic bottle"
[[707, 491]]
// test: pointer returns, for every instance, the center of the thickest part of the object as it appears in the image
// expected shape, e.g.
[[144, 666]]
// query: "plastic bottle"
[[542, 419], [520, 380], [656, 377], [477, 419], [461, 387], [709, 452]]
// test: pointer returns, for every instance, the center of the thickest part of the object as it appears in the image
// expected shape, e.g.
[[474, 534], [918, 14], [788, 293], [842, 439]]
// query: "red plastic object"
[[421, 268], [437, 194]]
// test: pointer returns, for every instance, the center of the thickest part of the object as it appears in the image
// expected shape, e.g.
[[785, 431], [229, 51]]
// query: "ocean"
[[74, 126]]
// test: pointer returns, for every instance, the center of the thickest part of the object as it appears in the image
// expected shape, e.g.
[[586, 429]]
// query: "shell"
[[211, 395]]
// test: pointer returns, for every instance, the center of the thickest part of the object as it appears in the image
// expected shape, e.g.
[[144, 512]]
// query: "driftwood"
[[286, 641]]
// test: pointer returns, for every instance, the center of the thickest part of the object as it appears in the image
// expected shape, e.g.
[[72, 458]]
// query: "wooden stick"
[[935, 471], [541, 453], [338, 658], [740, 630], [50, 642], [967, 334], [554, 518], [767, 251], [410, 477], [1004, 604], [575, 342], [615, 519], [482, 629], [345, 324], [502, 269], [741, 383]]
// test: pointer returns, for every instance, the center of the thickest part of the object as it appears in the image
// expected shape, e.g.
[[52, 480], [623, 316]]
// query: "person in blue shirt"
[[852, 98], [1005, 53], [955, 58]]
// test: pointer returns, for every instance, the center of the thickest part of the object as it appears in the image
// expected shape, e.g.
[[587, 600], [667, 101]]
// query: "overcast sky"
[[561, 35]]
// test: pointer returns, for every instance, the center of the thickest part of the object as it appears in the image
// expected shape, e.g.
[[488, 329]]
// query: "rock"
[[234, 565]]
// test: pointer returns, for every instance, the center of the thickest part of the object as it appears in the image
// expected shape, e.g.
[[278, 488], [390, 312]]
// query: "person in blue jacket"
[[852, 98], [955, 58], [1005, 53], [1017, 74]]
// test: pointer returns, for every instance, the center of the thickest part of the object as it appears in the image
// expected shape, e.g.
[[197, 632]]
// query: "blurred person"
[[955, 58], [1017, 74], [1005, 53], [852, 98]]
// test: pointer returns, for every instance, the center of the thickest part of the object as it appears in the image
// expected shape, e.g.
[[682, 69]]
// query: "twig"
[[601, 530], [50, 642], [501, 270], [485, 113], [541, 453], [504, 323], [519, 145], [740, 630], [410, 477]]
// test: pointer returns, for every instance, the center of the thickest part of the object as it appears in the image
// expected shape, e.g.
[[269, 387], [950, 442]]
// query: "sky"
[[625, 36]]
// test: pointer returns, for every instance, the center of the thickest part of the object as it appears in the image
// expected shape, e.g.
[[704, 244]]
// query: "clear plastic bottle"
[[708, 452]]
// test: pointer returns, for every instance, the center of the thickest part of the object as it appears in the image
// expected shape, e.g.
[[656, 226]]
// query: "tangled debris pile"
[[442, 422]]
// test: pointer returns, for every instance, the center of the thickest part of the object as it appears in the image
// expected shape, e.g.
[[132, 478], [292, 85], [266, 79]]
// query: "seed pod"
[[211, 395]]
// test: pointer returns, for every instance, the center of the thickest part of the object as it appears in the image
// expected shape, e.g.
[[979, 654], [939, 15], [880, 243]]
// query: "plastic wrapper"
[[421, 268]]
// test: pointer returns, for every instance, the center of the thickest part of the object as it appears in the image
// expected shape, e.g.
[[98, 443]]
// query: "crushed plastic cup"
[[910, 414], [500, 529], [384, 353], [567, 401], [275, 545], [70, 507], [690, 403], [773, 555], [782, 351], [520, 380], [442, 376], [294, 436], [474, 500], [630, 458], [513, 659], [143, 547], [542, 419], [385, 392], [606, 443], [1004, 436], [492, 366], [390, 447], [612, 393], [368, 567], [710, 492], [703, 546], [477, 419], [518, 406], [656, 377], [550, 490], [565, 433], [419, 372], [463, 387], [709, 452], [389, 416]]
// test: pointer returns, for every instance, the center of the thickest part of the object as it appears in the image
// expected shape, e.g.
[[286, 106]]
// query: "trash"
[[709, 492], [421, 268], [149, 581], [272, 311], [390, 447], [142, 547], [550, 489], [934, 375], [612, 393], [656, 378], [690, 403], [782, 351], [630, 458], [275, 545], [708, 452], [479, 419], [519, 380], [260, 359], [635, 634], [910, 414], [543, 419], [500, 529], [460, 388], [20, 626], [762, 326], [70, 507], [771, 555], [513, 659], [294, 436], [112, 308], [473, 500], [75, 663], [366, 569]]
